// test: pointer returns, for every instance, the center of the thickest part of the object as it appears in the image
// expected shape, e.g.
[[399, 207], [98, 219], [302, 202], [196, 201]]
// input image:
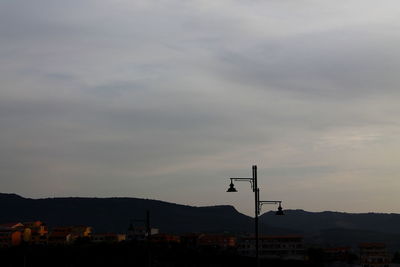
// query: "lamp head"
[[231, 188], [279, 211]]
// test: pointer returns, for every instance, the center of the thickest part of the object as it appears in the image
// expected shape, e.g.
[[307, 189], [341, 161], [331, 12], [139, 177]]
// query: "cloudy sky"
[[166, 99]]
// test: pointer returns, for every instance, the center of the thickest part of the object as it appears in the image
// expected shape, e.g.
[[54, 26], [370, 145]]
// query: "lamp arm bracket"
[[251, 180], [270, 202], [260, 203]]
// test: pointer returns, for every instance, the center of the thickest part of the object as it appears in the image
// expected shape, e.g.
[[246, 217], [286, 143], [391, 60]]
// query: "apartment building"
[[287, 247], [374, 255]]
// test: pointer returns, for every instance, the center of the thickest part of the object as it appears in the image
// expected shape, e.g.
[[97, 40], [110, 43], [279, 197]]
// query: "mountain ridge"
[[114, 214]]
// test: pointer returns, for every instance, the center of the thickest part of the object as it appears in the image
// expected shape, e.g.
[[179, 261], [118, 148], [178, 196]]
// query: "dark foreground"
[[129, 254]]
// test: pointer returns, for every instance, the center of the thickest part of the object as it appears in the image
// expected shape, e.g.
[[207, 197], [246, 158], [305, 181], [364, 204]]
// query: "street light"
[[279, 211], [231, 187], [257, 202]]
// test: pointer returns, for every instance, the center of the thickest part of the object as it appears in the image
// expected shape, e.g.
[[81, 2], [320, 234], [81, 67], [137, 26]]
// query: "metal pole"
[[257, 208], [256, 192], [148, 229]]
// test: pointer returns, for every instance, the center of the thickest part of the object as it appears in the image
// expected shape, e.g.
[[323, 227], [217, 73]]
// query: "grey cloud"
[[341, 64], [101, 98]]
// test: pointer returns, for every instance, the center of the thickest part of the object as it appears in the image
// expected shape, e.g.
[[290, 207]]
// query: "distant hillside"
[[311, 222], [338, 228], [115, 214]]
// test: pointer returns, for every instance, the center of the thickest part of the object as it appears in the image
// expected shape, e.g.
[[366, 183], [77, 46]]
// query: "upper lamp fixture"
[[231, 188]]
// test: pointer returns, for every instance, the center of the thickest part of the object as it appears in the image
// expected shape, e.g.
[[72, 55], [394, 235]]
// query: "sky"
[[167, 99]]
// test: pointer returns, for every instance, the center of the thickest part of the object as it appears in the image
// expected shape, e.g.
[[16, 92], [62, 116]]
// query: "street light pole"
[[257, 205], [256, 210]]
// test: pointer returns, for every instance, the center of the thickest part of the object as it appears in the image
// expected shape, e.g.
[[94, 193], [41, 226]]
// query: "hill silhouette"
[[311, 222], [339, 228], [115, 214]]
